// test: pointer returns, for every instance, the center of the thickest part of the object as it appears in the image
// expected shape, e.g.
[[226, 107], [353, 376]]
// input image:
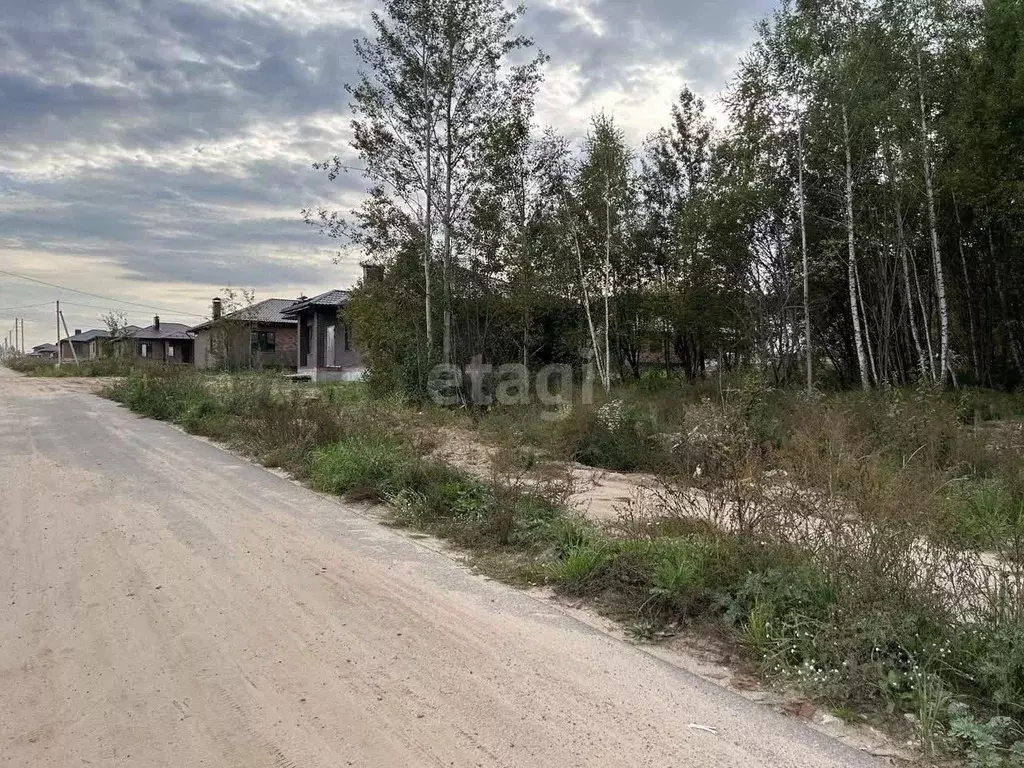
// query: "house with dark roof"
[[258, 336], [159, 342], [325, 349], [44, 352], [83, 345], [90, 345]]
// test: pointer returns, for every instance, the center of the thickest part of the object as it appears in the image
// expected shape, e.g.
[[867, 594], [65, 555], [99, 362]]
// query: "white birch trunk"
[[852, 261], [867, 330], [446, 331], [808, 348], [607, 284], [940, 282], [586, 306], [427, 249], [428, 245]]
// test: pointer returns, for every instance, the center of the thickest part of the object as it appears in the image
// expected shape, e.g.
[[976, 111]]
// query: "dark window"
[[263, 341]]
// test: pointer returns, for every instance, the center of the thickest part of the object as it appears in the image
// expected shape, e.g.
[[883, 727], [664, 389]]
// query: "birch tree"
[[477, 84], [394, 103]]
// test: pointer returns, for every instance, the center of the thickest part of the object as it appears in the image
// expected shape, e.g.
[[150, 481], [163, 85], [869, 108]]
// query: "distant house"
[[90, 345], [160, 342], [325, 348], [83, 345], [259, 336], [44, 352]]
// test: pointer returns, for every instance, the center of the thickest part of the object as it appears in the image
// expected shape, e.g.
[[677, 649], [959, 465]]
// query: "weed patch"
[[110, 366], [835, 539]]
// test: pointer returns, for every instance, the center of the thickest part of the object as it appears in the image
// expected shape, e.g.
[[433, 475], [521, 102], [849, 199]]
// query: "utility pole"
[[60, 352], [70, 343]]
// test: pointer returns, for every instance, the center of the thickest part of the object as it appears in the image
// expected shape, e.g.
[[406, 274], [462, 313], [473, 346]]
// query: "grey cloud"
[[192, 227], [635, 32], [136, 85], [143, 74]]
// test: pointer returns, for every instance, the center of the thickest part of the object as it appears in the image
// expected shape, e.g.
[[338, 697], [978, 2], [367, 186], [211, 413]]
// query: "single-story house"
[[91, 345], [325, 349], [259, 336], [85, 345], [44, 352], [160, 342]]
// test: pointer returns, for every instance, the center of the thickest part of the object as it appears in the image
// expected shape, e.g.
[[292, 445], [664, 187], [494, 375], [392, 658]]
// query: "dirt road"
[[164, 603]]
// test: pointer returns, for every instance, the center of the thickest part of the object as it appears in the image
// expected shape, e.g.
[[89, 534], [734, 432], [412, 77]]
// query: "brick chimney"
[[217, 308], [156, 322], [77, 331]]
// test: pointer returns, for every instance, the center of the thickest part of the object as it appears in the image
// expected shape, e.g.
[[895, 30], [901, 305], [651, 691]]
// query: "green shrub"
[[994, 743], [572, 533], [986, 514], [615, 436], [578, 569], [536, 520], [360, 469], [683, 569], [107, 366]]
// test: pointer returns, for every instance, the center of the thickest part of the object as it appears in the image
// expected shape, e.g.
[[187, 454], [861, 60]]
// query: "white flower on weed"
[[613, 414]]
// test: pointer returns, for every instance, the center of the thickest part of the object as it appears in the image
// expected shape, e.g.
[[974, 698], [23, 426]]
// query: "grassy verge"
[[89, 368], [818, 575]]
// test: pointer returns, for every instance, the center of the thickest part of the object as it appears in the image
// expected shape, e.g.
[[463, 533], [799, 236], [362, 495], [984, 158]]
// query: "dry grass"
[[865, 548]]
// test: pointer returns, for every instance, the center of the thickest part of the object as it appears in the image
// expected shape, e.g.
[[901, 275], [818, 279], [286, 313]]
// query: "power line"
[[27, 306], [98, 296], [96, 306]]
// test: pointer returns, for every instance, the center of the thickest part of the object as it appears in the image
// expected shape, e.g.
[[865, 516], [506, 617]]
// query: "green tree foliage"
[[873, 149]]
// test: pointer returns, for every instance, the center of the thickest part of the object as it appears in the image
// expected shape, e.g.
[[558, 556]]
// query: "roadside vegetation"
[[864, 549], [108, 366]]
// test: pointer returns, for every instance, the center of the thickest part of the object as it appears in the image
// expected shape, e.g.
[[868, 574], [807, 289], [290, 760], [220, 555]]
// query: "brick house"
[[259, 336], [160, 342], [83, 345], [325, 349], [91, 345], [44, 352]]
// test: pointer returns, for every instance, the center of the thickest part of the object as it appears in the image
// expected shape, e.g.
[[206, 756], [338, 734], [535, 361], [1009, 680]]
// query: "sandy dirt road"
[[164, 603]]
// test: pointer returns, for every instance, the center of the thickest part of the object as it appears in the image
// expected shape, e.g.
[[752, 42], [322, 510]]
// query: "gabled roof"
[[172, 331], [86, 336], [268, 312], [327, 300], [39, 348]]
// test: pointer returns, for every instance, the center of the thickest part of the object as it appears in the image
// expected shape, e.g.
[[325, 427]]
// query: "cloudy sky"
[[155, 151]]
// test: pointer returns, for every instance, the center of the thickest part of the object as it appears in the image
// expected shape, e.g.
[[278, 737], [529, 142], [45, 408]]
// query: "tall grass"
[[109, 366], [837, 540]]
